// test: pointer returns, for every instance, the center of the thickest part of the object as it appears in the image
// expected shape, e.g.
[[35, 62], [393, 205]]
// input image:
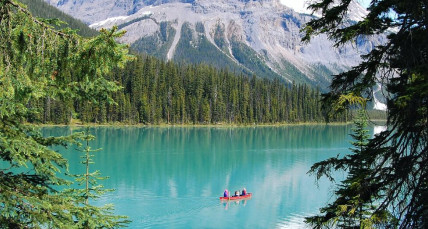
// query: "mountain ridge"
[[256, 37], [264, 34]]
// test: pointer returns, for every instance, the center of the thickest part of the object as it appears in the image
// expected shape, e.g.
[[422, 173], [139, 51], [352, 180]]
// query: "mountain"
[[91, 11], [259, 37]]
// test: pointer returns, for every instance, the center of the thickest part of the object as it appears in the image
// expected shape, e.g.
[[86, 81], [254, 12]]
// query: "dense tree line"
[[159, 92]]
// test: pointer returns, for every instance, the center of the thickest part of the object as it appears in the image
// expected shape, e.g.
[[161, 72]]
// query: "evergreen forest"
[[159, 92]]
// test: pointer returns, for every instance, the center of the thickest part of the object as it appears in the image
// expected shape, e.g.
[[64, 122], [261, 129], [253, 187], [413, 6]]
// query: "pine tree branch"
[[42, 24]]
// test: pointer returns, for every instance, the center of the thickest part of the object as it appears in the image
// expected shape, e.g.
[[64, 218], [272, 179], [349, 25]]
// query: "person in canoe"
[[244, 192], [236, 193], [226, 193]]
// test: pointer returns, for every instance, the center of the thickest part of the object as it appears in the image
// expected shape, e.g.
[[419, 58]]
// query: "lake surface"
[[173, 177]]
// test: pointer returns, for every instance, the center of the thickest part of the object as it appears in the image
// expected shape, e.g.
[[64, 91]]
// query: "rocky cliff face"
[[91, 11], [261, 36]]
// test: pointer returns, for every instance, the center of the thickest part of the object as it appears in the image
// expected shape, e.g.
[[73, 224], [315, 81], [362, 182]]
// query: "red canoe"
[[236, 197]]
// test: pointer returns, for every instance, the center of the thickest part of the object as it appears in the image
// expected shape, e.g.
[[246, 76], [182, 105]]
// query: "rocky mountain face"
[[91, 11], [259, 37]]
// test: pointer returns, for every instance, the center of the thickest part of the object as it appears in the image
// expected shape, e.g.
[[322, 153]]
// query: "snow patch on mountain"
[[109, 21], [271, 28]]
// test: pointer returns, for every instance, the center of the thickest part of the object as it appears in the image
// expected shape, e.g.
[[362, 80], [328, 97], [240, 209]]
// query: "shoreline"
[[78, 125]]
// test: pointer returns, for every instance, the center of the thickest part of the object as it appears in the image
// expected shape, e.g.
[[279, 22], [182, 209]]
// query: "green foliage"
[[89, 216], [354, 206], [39, 8], [349, 100], [156, 92], [220, 38], [39, 62], [199, 27], [250, 59], [399, 155]]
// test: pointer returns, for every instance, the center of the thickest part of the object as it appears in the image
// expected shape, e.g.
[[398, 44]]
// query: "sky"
[[300, 5]]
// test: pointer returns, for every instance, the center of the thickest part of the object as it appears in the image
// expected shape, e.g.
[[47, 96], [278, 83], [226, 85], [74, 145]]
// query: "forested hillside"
[[159, 92], [40, 8]]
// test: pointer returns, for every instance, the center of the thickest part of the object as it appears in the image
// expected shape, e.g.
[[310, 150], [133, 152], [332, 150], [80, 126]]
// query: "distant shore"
[[219, 125]]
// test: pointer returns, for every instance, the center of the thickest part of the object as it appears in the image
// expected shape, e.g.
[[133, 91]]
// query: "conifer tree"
[[355, 203], [38, 61], [397, 157], [88, 216]]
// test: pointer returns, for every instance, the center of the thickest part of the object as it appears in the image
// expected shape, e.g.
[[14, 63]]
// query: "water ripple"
[[295, 221]]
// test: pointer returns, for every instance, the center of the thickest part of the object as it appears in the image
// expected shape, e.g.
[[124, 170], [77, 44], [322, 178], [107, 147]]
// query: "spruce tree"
[[38, 61], [354, 204], [88, 216], [397, 157]]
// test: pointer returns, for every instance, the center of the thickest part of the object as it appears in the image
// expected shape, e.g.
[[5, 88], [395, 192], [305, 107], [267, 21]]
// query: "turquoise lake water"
[[173, 177]]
